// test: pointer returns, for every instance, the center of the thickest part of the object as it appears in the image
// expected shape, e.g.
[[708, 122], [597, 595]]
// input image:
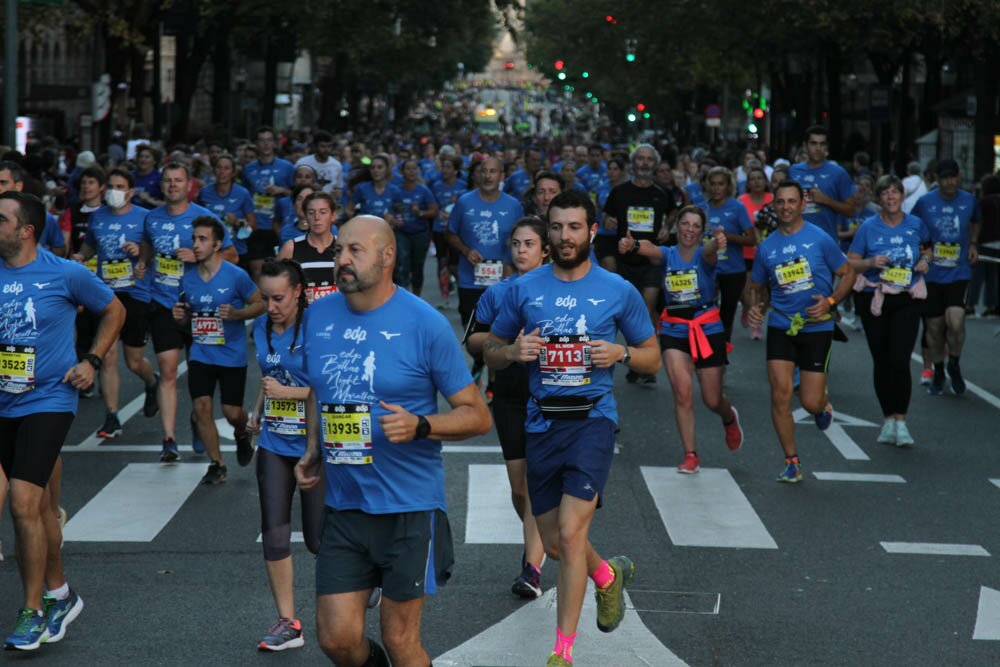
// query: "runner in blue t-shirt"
[[692, 336], [953, 220], [529, 248], [417, 208], [830, 193], [794, 272], [722, 210], [606, 241], [518, 183], [560, 320], [447, 190], [216, 298], [39, 380], [376, 358], [279, 416], [166, 251], [593, 174], [147, 178], [113, 239], [231, 203], [478, 228], [886, 251], [267, 178]]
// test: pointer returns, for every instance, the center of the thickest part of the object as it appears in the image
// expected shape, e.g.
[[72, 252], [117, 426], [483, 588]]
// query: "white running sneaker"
[[888, 434], [903, 437]]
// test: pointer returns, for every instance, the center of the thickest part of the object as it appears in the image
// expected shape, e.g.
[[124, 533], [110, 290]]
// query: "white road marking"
[[934, 549], [135, 505], [996, 482], [124, 414], [490, 518], [988, 615], [836, 434], [970, 386], [296, 537], [706, 509], [524, 639], [858, 477]]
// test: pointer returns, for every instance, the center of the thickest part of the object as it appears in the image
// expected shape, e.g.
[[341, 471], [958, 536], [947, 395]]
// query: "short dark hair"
[[30, 211], [319, 194], [16, 170], [174, 166], [546, 175], [595, 147], [574, 198], [265, 128], [95, 173], [123, 173], [790, 184], [218, 231], [322, 135], [815, 129]]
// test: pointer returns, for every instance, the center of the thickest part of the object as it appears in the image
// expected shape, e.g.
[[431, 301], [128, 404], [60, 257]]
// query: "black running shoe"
[[112, 427], [955, 375], [244, 448], [216, 474], [151, 405]]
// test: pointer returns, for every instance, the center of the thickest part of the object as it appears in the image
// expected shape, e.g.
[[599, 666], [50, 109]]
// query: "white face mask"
[[115, 198]]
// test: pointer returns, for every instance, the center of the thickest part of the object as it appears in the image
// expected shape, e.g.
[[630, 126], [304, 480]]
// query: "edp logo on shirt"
[[357, 334], [566, 302], [13, 288]]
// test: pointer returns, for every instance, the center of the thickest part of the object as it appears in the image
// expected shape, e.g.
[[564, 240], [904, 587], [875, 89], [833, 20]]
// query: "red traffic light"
[[758, 113], [559, 65], [640, 107], [610, 19], [508, 65]]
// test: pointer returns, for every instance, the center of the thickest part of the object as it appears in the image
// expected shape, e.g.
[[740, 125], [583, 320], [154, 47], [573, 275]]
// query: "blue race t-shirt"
[[257, 177], [217, 341], [732, 216], [367, 201], [168, 234], [237, 201], [107, 232], [948, 223], [592, 179], [796, 268], [517, 183], [446, 195], [403, 352], [687, 284], [901, 244], [833, 181], [285, 215], [150, 184], [595, 307], [52, 235], [602, 198], [485, 227], [422, 196], [283, 422], [696, 194], [38, 303]]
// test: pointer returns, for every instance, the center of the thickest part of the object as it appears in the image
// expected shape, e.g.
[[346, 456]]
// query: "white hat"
[[86, 159]]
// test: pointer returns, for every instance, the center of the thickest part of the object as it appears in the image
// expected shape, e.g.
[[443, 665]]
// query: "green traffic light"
[[586, 75], [630, 58], [561, 76], [631, 117], [645, 115], [763, 104], [589, 94]]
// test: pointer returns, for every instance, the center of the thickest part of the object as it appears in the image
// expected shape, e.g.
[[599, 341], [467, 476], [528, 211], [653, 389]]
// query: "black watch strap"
[[423, 427], [94, 361]]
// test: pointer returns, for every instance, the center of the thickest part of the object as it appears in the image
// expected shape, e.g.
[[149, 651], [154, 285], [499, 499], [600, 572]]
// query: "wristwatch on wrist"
[[94, 361], [627, 358], [833, 302], [423, 427]]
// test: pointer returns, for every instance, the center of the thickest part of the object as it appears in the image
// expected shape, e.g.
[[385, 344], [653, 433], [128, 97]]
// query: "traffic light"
[[561, 76], [640, 107], [758, 113], [631, 117], [611, 19], [585, 74], [630, 45], [559, 65]]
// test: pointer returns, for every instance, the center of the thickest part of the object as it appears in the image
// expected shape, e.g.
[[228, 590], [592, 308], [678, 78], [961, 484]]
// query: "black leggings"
[[891, 336], [730, 289], [276, 484]]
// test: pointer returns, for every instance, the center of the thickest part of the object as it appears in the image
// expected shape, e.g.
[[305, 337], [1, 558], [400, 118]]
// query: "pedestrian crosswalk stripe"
[[490, 517], [934, 549], [988, 615], [296, 537], [858, 477], [996, 482], [135, 505], [707, 509]]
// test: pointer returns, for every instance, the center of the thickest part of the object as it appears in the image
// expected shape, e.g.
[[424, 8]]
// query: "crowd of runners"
[[565, 261]]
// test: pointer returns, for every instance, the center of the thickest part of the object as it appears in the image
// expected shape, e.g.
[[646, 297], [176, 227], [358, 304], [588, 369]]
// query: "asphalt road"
[[732, 568]]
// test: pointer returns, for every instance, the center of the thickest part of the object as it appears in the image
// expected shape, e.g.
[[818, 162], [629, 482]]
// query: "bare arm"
[[286, 250], [468, 417]]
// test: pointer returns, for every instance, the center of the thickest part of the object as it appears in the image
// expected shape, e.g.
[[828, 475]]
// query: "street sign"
[[713, 122], [102, 98], [713, 111]]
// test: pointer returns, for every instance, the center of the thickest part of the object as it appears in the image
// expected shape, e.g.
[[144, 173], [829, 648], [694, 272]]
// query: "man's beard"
[[582, 254], [362, 282], [10, 249]]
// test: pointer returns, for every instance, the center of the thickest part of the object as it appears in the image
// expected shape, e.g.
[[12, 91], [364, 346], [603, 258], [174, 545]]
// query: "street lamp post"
[[10, 72]]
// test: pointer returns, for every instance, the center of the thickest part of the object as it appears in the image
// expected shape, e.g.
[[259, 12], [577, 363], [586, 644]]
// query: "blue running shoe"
[[196, 442], [60, 613], [936, 387], [825, 418], [169, 452], [792, 472], [29, 633]]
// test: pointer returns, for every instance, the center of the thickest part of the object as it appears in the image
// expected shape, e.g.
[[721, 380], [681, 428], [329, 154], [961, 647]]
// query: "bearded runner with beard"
[[640, 208], [569, 311]]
